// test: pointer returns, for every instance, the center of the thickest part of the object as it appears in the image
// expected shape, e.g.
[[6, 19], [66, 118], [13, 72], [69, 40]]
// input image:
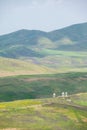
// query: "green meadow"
[[53, 61], [26, 102], [44, 114], [10, 67], [41, 86], [63, 53]]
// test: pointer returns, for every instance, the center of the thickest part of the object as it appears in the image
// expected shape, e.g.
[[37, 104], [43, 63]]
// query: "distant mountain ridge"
[[76, 33], [64, 47], [24, 42]]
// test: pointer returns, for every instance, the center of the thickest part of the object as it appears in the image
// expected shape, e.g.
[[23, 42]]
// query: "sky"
[[45, 15]]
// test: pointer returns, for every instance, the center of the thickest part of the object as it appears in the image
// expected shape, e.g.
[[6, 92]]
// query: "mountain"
[[66, 48], [17, 44], [24, 42], [75, 32], [75, 35]]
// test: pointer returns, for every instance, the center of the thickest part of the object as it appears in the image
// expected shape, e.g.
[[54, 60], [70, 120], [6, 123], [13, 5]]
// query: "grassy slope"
[[80, 99], [54, 62], [41, 86], [44, 48], [54, 58], [63, 59], [45, 53], [45, 114], [17, 67]]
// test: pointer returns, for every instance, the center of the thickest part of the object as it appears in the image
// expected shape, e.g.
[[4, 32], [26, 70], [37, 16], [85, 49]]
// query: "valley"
[[35, 64]]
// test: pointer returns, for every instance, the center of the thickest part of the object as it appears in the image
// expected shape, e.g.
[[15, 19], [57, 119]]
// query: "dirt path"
[[68, 105]]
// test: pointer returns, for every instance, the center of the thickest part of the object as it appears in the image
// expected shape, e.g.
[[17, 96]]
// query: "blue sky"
[[45, 15]]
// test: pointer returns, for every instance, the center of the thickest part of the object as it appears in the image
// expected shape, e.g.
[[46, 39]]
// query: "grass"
[[53, 61], [37, 110], [63, 60], [10, 66], [41, 86], [42, 114], [64, 53], [80, 99]]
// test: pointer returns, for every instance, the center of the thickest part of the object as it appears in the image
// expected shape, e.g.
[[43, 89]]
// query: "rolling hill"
[[41, 86], [73, 36], [28, 61], [63, 48], [45, 114], [10, 67]]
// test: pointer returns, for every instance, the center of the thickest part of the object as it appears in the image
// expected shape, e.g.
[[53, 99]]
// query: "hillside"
[[26, 42], [72, 38], [16, 44], [10, 67], [60, 49], [41, 86], [45, 114], [35, 64]]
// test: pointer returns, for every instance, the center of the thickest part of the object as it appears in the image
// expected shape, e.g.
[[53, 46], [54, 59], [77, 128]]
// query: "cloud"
[[4, 3], [45, 2]]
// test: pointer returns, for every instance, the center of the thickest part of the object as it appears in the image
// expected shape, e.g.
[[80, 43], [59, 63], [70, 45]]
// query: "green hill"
[[41, 86], [72, 38], [44, 114], [19, 43], [10, 67], [63, 48]]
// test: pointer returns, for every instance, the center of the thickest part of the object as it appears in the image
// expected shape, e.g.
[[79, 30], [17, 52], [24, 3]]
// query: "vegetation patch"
[[42, 114]]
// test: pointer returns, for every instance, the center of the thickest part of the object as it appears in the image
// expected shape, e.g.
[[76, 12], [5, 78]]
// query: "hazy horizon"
[[40, 30], [47, 15]]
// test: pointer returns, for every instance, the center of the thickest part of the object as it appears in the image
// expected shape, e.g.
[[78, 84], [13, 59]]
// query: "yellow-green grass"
[[19, 104], [63, 60], [44, 114], [80, 99], [53, 62], [64, 53], [10, 67]]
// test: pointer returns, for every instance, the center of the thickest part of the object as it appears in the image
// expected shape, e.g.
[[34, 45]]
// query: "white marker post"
[[63, 94], [54, 95]]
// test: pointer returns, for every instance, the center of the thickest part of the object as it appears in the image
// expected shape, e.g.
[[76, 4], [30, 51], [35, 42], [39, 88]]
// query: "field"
[[26, 102], [63, 53], [9, 67], [53, 61], [41, 86], [44, 114]]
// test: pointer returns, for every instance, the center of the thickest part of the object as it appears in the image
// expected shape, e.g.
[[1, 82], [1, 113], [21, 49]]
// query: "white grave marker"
[[62, 94], [54, 95]]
